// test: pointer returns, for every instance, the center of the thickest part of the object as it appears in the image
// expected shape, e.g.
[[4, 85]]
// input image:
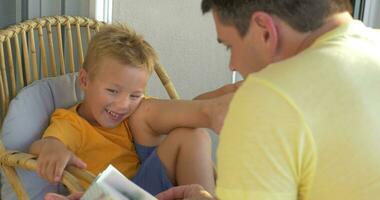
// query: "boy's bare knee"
[[188, 135], [201, 136]]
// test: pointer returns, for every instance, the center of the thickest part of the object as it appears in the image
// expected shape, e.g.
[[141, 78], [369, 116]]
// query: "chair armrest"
[[28, 162], [81, 173]]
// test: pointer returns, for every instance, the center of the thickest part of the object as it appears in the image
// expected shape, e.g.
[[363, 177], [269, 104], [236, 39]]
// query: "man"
[[304, 124]]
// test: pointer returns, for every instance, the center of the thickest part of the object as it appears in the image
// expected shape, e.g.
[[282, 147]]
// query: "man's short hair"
[[302, 15], [121, 43]]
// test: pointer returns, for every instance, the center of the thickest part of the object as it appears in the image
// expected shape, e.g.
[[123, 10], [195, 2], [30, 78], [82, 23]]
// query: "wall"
[[185, 41]]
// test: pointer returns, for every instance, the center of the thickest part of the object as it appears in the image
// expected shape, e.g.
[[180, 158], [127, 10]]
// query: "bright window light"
[[101, 10]]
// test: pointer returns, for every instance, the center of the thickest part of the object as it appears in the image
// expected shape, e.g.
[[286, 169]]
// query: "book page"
[[111, 184]]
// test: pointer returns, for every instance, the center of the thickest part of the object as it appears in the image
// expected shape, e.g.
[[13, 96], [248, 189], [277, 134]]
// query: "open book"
[[113, 185]]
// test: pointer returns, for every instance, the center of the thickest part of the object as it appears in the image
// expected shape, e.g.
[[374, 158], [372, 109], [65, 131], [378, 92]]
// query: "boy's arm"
[[229, 88], [53, 157], [156, 117]]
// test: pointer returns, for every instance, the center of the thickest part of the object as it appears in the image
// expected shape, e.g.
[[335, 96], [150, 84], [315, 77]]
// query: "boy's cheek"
[[134, 107]]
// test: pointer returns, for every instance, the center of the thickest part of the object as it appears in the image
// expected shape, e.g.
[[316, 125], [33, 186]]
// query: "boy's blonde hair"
[[122, 43]]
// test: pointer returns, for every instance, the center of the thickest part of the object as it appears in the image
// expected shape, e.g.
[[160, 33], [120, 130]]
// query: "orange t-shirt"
[[96, 146]]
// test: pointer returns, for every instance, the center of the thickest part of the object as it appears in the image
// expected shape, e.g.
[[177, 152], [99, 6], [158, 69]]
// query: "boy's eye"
[[136, 96], [112, 91]]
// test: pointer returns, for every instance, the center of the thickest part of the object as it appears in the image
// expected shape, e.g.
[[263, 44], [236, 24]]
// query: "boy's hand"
[[53, 158]]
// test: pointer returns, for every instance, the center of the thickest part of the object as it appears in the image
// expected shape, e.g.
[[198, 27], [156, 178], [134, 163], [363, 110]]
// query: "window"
[[101, 10]]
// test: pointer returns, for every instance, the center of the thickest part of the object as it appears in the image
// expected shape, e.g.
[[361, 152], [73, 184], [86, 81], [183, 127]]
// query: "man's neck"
[[294, 42], [330, 24]]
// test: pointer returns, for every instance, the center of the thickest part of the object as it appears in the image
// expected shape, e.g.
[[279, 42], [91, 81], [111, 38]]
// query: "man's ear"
[[83, 77], [267, 30]]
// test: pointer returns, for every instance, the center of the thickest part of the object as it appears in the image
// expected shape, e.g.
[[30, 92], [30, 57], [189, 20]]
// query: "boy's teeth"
[[113, 114]]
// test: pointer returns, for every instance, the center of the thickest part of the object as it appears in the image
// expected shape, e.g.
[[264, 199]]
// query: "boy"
[[115, 124]]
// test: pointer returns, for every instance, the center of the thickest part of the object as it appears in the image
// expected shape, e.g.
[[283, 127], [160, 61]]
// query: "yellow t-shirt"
[[96, 146], [307, 128]]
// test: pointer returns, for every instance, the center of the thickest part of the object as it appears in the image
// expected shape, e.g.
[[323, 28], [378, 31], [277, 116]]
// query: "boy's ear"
[[83, 78], [267, 30]]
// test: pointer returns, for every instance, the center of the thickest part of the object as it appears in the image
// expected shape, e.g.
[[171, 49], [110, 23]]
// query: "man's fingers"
[[54, 196], [75, 196], [173, 193]]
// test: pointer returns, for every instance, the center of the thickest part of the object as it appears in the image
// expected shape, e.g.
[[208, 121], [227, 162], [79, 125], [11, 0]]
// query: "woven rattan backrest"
[[46, 47]]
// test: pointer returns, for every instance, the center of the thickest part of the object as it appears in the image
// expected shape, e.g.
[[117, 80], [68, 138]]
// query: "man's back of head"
[[302, 15]]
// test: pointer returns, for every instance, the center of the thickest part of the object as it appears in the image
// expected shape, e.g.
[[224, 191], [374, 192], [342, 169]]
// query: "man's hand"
[[54, 196], [53, 158], [188, 192]]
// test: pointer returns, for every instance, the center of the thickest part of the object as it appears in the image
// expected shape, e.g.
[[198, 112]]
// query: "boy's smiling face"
[[112, 92]]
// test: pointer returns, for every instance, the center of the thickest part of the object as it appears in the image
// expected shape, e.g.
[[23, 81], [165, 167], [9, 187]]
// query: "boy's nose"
[[122, 104]]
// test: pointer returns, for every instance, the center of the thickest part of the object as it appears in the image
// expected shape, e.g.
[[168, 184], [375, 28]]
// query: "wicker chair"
[[22, 64]]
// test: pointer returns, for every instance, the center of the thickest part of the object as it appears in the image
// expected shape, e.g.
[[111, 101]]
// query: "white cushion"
[[27, 117]]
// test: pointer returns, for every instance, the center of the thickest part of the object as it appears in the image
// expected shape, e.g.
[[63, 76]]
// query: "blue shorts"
[[151, 175]]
